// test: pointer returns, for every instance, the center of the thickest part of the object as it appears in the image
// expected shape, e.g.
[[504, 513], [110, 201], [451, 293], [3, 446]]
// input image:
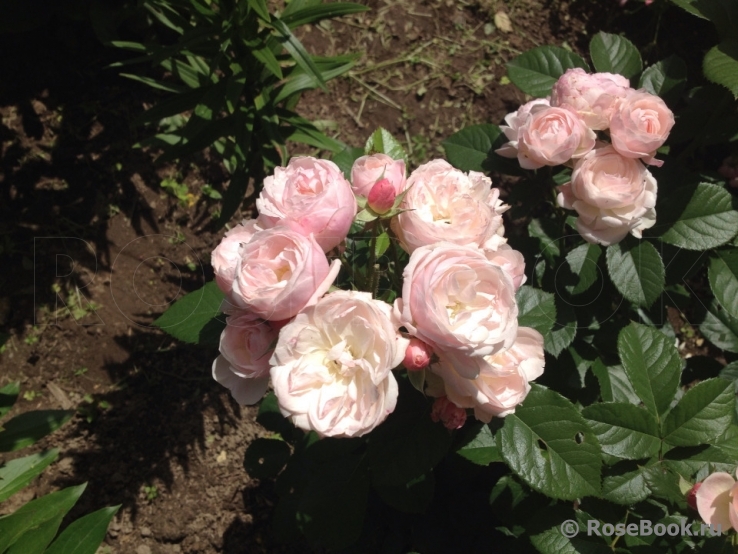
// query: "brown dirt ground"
[[84, 212]]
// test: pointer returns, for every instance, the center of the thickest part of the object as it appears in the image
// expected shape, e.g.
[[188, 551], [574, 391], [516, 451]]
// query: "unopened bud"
[[417, 355], [448, 413], [692, 496], [382, 196]]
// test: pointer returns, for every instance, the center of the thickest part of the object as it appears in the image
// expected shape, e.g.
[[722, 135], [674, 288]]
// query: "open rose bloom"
[[717, 501]]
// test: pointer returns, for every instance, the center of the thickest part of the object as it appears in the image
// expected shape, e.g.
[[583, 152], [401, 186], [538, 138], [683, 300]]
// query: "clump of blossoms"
[[607, 133], [331, 354]]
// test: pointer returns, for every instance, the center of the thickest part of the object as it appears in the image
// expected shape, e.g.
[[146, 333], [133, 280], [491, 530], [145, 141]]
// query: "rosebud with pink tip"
[[448, 413], [382, 196], [692, 496], [417, 355]]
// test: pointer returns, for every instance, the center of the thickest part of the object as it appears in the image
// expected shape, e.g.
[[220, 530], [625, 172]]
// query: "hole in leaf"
[[579, 437], [542, 445]]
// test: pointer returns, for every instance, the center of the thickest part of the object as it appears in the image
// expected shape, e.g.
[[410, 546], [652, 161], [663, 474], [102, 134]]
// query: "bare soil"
[[93, 249]]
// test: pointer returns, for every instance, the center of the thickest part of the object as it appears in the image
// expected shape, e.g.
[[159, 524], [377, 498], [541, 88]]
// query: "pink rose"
[[448, 413], [504, 378], [332, 367], [243, 364], [279, 273], [511, 261], [382, 196], [446, 204], [225, 256], [417, 355], [717, 501], [367, 170], [310, 196], [613, 196], [457, 301], [692, 496], [592, 97], [639, 125], [516, 120]]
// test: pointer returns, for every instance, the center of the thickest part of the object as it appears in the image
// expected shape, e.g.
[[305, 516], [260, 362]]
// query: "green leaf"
[[153, 83], [8, 396], [16, 474], [564, 329], [345, 159], [689, 5], [636, 270], [84, 535], [194, 317], [614, 383], [536, 308], [664, 484], [536, 71], [382, 142], [665, 78], [35, 541], [482, 448], [547, 233], [720, 65], [615, 54], [267, 57], [35, 513], [544, 527], [702, 415], [625, 489], [270, 417], [583, 264], [265, 458], [624, 430], [298, 53], [233, 197], [298, 81], [723, 13], [652, 364], [25, 429], [723, 276], [261, 9], [411, 498], [719, 328], [699, 217], [467, 149], [550, 446], [382, 244], [312, 14]]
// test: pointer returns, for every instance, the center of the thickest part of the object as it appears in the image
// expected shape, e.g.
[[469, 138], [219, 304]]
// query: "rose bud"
[[382, 196], [692, 496], [417, 355], [448, 413]]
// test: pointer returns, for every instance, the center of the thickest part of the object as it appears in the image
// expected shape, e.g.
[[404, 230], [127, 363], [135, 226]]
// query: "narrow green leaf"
[[36, 512], [651, 362], [615, 54], [8, 396], [35, 540], [698, 217], [312, 14], [624, 430], [636, 270], [536, 71], [382, 142], [536, 308], [84, 535], [194, 317], [298, 53], [267, 57], [702, 415], [550, 446], [467, 149], [720, 328], [723, 276], [665, 78], [153, 83], [16, 474], [261, 9], [180, 103], [299, 81], [233, 197], [720, 64], [27, 428]]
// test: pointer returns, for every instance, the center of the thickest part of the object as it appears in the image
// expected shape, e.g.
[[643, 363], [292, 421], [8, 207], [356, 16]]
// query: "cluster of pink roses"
[[330, 355], [610, 188]]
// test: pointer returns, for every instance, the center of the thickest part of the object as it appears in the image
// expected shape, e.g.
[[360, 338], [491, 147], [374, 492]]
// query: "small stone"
[[143, 549], [145, 532]]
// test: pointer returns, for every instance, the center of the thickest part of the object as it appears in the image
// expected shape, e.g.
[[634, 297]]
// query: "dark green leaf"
[[345, 159], [194, 318], [699, 217], [652, 364], [482, 448], [298, 53], [721, 65], [84, 535], [664, 484], [665, 78], [382, 142], [35, 541], [564, 329], [723, 276], [636, 270], [233, 197], [624, 430], [627, 488], [8, 396], [16, 474], [312, 14], [614, 383], [536, 309], [719, 328], [413, 497], [702, 415], [583, 264], [548, 443], [261, 9], [468, 148], [36, 512], [265, 458], [536, 71], [25, 429], [615, 54], [299, 81], [548, 234]]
